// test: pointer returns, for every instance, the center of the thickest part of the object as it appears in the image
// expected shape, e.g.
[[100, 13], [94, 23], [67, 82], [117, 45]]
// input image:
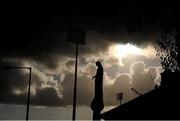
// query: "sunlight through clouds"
[[121, 51]]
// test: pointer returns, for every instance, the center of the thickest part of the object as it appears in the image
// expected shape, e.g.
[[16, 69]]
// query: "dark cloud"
[[143, 80], [17, 80], [129, 60], [43, 97], [11, 79], [84, 90], [121, 84], [47, 97], [70, 63], [114, 70], [140, 78], [36, 34]]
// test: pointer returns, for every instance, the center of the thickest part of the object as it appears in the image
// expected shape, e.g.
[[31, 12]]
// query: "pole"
[[75, 85], [28, 96]]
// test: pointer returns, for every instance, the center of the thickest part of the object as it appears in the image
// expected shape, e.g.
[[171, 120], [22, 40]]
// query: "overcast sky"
[[35, 36]]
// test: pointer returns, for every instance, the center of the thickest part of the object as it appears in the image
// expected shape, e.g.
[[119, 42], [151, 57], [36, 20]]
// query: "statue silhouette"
[[97, 104]]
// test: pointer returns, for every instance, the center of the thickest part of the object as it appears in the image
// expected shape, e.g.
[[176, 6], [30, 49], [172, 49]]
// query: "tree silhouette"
[[167, 50], [166, 44]]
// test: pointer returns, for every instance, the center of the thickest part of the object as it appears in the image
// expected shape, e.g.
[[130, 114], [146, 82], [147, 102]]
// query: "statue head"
[[98, 64]]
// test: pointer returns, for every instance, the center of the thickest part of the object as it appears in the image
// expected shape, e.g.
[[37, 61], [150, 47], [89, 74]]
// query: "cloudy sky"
[[35, 35]]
